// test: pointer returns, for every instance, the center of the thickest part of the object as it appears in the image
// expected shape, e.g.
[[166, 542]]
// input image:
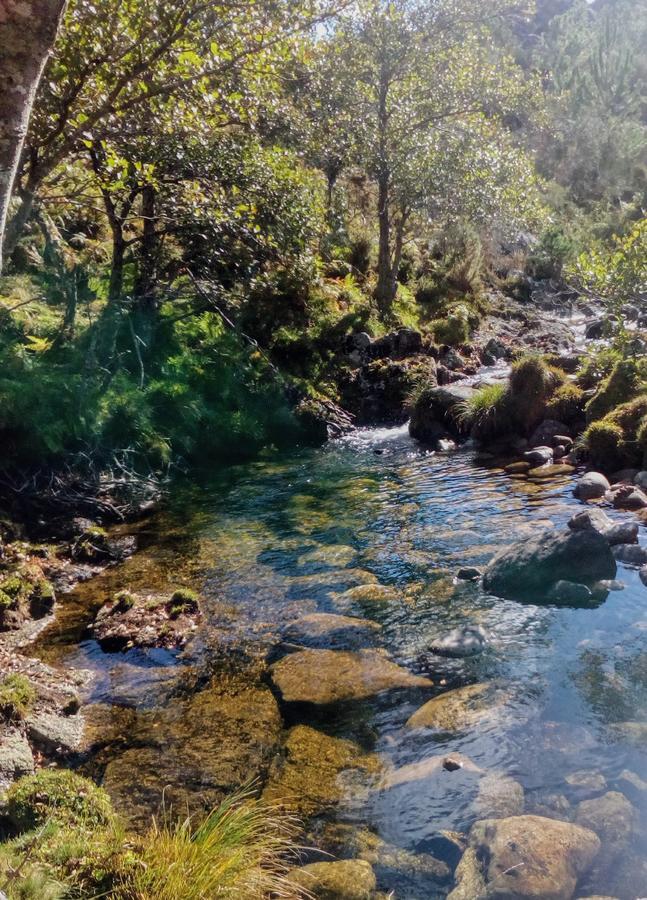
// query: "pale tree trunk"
[[27, 33]]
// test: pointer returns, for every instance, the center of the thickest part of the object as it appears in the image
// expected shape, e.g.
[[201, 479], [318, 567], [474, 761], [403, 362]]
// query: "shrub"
[[57, 796], [359, 255], [621, 385], [17, 696], [455, 329], [619, 438]]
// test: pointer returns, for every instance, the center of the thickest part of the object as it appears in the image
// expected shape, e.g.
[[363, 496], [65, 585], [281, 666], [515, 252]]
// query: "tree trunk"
[[116, 284], [148, 256], [27, 33], [384, 293]]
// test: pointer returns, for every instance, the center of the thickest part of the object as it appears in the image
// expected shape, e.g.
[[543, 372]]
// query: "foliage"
[[626, 380], [454, 329], [57, 795], [242, 849], [617, 274], [532, 383], [567, 405], [487, 414], [618, 439], [17, 696]]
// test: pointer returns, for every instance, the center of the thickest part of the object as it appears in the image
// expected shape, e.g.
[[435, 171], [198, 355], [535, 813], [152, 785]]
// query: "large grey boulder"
[[439, 406], [591, 486], [528, 569]]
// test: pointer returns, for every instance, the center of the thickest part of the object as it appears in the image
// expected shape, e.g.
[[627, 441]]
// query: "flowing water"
[[274, 540]]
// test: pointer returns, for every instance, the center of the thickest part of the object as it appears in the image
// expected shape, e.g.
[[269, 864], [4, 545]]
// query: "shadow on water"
[[349, 531]]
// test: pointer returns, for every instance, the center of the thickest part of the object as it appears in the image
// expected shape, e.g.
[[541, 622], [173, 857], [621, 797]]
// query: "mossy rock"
[[619, 439], [532, 384], [60, 796], [622, 385], [567, 404], [17, 696]]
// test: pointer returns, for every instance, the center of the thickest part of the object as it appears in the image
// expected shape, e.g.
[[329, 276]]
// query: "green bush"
[[57, 796], [604, 441], [453, 330]]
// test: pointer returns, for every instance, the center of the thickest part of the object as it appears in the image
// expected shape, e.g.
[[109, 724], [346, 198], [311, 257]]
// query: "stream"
[[271, 541]]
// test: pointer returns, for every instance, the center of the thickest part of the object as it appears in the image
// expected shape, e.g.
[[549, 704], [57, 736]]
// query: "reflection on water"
[[372, 527]]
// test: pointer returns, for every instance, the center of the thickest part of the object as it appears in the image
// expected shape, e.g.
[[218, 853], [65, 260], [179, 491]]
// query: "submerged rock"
[[499, 796], [312, 774], [631, 554], [570, 592], [325, 630], [530, 568], [348, 879], [189, 755], [465, 641], [459, 709], [331, 676], [591, 486], [524, 857]]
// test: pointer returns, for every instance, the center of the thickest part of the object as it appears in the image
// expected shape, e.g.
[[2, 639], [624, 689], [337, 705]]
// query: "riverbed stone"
[[326, 630], [591, 519], [591, 486], [553, 471], [613, 818], [438, 406], [469, 573], [368, 594], [316, 770], [16, 757], [570, 592], [348, 879], [627, 497], [524, 857], [192, 753], [58, 734], [459, 709], [526, 570], [331, 676], [499, 797], [631, 554], [539, 456], [467, 640], [545, 434], [586, 783], [517, 468]]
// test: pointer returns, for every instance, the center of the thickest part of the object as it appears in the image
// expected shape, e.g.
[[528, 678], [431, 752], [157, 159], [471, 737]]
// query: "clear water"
[[249, 536]]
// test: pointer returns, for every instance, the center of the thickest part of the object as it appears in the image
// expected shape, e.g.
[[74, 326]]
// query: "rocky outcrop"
[[527, 570], [329, 676], [378, 392], [524, 857]]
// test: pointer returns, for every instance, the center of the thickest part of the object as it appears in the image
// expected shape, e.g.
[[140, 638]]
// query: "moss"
[[603, 441], [453, 330], [567, 404], [183, 601], [124, 601], [6, 602], [58, 796], [15, 587], [17, 696], [621, 385], [44, 590]]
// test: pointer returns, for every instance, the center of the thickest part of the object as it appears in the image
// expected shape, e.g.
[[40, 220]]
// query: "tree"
[[429, 83], [27, 32], [127, 58]]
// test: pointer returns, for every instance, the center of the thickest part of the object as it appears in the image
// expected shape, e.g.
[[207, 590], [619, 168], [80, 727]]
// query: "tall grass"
[[487, 412], [244, 850]]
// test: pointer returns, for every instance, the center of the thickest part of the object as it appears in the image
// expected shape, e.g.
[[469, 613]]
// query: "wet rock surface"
[[350, 879], [533, 566], [327, 676], [525, 857]]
